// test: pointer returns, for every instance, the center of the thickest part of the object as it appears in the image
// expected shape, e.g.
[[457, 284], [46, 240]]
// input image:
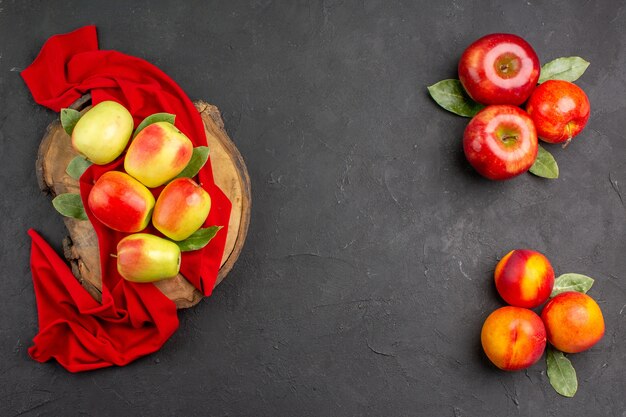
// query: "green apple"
[[142, 257], [102, 133]]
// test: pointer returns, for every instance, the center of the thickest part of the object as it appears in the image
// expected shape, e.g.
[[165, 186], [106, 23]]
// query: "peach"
[[524, 278], [121, 202], [180, 210], [573, 321], [513, 338], [146, 258], [157, 154]]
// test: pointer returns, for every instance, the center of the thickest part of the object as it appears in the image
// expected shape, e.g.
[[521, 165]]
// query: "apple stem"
[[569, 134], [112, 255], [566, 143]]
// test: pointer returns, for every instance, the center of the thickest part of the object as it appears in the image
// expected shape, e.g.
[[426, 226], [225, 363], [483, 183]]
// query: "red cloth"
[[133, 319]]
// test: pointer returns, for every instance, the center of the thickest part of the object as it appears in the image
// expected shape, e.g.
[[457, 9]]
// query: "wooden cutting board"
[[81, 246]]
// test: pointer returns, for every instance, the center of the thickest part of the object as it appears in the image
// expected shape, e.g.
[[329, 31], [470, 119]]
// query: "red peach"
[[513, 338], [574, 322], [524, 278]]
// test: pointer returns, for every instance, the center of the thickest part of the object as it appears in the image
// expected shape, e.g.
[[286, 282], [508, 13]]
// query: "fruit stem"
[[509, 139], [112, 255], [569, 135]]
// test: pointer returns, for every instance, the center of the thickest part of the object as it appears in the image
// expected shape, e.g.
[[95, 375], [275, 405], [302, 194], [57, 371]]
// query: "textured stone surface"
[[367, 272]]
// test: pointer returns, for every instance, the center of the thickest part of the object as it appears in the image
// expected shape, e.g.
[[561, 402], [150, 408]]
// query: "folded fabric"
[[133, 319]]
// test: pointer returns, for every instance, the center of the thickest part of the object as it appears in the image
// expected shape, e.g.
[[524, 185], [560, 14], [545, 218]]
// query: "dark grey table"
[[367, 272]]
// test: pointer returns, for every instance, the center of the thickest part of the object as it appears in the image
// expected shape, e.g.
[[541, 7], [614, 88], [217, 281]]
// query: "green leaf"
[[450, 95], [199, 239], [77, 167], [566, 69], [571, 282], [70, 205], [561, 373], [545, 165], [198, 158], [69, 118], [156, 117]]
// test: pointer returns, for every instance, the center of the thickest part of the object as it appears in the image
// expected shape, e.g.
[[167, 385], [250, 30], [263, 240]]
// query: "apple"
[[499, 69], [102, 133], [500, 142], [180, 210], [559, 109], [121, 202], [142, 257], [157, 154]]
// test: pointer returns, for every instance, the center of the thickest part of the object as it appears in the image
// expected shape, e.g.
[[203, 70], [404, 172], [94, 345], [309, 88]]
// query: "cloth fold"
[[133, 319]]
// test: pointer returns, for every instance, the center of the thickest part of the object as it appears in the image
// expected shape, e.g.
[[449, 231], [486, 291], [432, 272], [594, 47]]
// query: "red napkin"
[[133, 320]]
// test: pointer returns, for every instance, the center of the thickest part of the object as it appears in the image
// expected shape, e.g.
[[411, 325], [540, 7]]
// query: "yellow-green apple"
[[121, 202], [574, 322], [102, 133], [142, 257], [180, 210], [560, 110], [524, 278], [157, 154], [513, 338], [500, 68], [500, 142]]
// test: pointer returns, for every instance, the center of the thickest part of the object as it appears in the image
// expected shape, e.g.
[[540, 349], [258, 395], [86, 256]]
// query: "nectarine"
[[573, 321], [524, 278], [513, 338]]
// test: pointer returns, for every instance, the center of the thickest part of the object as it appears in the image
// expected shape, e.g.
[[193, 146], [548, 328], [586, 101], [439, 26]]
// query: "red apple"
[[499, 69], [146, 258], [157, 154], [180, 210], [121, 202], [560, 110], [500, 142]]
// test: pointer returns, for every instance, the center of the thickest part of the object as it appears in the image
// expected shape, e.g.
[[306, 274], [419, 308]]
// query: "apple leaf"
[[566, 69], [77, 167], [69, 118], [156, 117], [198, 158], [199, 239], [545, 165], [571, 282], [70, 205], [450, 95], [561, 373]]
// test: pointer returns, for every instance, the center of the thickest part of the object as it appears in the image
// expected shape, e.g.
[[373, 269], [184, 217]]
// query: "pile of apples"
[[514, 337], [501, 72], [124, 201]]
